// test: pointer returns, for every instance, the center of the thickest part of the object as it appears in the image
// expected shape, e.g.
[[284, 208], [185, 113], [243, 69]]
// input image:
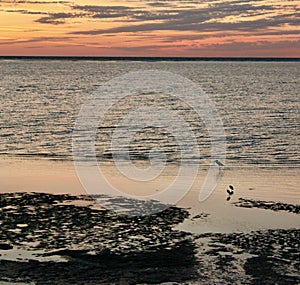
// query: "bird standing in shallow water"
[[230, 192]]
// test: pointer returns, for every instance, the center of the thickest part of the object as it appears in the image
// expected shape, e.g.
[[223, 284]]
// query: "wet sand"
[[52, 232], [280, 184], [88, 244]]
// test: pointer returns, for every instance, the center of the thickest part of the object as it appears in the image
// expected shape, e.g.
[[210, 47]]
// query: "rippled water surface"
[[257, 101]]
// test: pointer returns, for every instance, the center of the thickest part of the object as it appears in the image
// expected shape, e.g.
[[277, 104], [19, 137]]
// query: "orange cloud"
[[150, 28]]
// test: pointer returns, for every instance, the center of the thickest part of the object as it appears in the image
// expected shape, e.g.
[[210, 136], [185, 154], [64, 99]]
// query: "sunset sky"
[[231, 28]]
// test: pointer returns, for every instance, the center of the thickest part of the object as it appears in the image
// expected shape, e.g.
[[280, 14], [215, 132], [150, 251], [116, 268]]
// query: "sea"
[[257, 102], [238, 119]]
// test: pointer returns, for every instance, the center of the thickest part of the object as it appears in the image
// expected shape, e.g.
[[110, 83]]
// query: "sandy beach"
[[57, 234]]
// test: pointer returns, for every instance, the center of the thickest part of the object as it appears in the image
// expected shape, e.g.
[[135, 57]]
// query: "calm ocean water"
[[258, 102]]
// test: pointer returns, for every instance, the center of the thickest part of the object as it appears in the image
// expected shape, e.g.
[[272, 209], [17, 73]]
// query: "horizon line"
[[147, 58]]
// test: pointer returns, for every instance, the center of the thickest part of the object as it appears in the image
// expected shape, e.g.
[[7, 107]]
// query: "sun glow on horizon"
[[149, 28]]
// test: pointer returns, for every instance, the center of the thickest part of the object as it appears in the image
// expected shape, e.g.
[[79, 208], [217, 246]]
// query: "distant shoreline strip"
[[152, 59]]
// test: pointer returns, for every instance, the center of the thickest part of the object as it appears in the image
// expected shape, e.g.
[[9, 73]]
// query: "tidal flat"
[[69, 239]]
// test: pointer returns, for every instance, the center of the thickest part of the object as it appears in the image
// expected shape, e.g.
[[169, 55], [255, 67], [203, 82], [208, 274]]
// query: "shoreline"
[[52, 232], [279, 184]]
